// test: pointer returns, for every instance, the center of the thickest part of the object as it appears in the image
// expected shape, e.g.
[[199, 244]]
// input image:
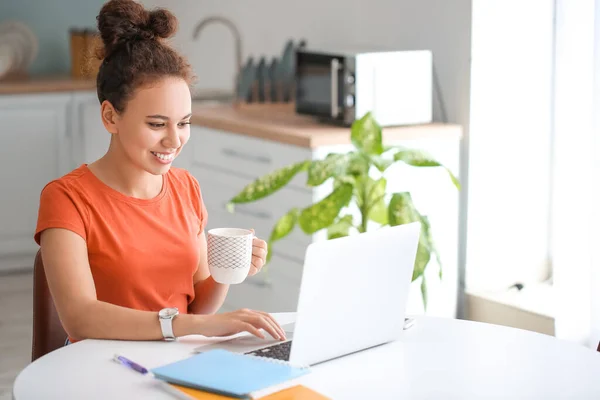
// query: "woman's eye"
[[181, 124], [156, 124]]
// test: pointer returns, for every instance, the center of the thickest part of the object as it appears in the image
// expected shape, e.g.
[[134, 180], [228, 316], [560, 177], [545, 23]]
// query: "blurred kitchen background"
[[516, 76]]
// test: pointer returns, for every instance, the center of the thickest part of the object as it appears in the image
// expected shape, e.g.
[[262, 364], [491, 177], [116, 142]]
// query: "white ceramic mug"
[[229, 254]]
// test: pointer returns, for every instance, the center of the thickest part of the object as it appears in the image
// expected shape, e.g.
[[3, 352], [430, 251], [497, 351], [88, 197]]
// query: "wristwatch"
[[166, 317]]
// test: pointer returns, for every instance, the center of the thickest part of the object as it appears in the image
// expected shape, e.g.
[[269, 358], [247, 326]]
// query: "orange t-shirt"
[[142, 253]]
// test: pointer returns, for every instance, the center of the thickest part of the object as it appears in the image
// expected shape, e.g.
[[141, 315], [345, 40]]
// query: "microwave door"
[[319, 86]]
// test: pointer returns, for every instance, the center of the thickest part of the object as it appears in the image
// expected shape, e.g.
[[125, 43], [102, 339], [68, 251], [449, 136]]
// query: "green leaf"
[[282, 228], [416, 158], [341, 227], [269, 184], [423, 258], [426, 226], [419, 158], [381, 163], [284, 225], [358, 165], [401, 209], [322, 214], [379, 212], [360, 190], [344, 179], [453, 178], [321, 170], [366, 135], [424, 292], [376, 207]]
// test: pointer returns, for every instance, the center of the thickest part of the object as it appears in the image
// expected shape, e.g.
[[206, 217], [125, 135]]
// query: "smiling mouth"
[[164, 156]]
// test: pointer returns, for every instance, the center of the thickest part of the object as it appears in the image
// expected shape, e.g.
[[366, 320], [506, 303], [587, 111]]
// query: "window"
[[510, 143]]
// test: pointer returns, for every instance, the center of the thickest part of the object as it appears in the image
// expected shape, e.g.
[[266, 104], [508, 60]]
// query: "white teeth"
[[166, 157]]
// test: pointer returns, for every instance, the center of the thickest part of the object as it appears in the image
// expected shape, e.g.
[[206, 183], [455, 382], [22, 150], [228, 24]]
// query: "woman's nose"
[[172, 140]]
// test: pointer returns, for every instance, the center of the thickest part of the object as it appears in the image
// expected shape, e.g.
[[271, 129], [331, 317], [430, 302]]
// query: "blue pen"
[[144, 371]]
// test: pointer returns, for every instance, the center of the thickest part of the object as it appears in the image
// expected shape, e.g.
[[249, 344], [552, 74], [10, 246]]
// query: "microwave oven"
[[340, 87]]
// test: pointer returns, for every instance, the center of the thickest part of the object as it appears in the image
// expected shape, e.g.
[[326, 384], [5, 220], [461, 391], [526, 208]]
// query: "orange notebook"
[[298, 392]]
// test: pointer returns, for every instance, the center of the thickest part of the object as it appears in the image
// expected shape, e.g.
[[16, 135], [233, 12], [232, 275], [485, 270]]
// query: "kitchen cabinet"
[[89, 138], [46, 136], [35, 150]]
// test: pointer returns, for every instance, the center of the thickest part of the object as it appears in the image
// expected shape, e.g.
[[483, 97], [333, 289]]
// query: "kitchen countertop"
[[279, 122], [45, 84]]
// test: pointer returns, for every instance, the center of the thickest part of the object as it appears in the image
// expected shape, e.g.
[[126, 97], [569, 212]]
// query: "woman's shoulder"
[[69, 182], [183, 178]]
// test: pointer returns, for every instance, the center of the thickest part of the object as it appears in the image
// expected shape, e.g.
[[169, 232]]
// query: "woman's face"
[[155, 125]]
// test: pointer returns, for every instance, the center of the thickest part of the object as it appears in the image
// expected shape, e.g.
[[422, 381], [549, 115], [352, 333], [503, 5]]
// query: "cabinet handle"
[[245, 156], [255, 214], [335, 66]]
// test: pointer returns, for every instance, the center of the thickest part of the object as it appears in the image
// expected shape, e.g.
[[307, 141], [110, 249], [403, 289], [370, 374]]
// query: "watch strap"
[[166, 326]]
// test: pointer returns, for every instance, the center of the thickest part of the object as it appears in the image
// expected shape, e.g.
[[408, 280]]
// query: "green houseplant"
[[358, 181]]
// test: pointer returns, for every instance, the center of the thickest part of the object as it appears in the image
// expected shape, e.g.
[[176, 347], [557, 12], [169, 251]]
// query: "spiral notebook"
[[230, 374]]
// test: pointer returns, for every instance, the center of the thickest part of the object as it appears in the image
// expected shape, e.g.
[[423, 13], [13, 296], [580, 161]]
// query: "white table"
[[436, 359]]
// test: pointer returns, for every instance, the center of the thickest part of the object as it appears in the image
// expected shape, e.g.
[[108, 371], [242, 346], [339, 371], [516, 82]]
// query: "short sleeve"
[[60, 207], [199, 203]]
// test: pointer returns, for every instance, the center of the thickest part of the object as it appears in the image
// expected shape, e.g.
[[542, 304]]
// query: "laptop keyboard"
[[280, 351]]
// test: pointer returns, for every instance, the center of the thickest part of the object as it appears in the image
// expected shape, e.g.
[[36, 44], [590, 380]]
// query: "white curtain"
[[575, 215]]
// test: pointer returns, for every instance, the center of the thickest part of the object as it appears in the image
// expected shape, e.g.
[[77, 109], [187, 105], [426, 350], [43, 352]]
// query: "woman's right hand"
[[243, 320]]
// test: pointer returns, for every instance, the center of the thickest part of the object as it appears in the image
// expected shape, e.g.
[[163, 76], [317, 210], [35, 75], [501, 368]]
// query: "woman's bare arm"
[[210, 295], [83, 316]]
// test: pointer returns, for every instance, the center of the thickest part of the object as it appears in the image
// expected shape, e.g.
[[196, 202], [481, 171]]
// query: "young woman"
[[122, 238]]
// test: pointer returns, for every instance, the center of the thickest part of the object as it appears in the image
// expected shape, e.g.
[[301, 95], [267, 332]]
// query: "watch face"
[[168, 312]]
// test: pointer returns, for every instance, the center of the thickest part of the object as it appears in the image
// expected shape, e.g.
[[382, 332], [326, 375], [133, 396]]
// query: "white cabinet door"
[[90, 138], [35, 151], [245, 156]]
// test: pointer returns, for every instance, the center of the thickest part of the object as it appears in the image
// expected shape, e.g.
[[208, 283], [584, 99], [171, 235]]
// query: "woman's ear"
[[109, 117]]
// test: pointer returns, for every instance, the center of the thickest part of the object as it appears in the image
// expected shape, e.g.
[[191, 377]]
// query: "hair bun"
[[162, 23], [120, 21]]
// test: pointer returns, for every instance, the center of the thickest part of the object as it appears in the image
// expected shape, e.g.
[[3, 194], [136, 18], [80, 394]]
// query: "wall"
[[439, 25], [51, 21], [266, 25]]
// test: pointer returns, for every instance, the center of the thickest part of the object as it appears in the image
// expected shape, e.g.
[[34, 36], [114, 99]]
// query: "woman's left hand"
[[259, 255]]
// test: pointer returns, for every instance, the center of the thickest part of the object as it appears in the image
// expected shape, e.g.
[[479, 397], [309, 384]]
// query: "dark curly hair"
[[134, 51]]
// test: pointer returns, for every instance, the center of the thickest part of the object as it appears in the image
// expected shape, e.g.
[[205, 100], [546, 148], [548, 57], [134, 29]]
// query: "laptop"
[[353, 296]]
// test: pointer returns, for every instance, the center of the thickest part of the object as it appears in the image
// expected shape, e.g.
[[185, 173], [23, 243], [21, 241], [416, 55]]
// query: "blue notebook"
[[226, 373]]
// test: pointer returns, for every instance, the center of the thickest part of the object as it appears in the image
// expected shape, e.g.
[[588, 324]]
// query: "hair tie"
[[145, 35]]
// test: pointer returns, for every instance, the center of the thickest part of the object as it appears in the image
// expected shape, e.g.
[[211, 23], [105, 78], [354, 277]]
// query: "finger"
[[245, 326], [256, 242], [267, 315], [258, 262], [253, 270], [275, 323], [266, 324], [259, 252]]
